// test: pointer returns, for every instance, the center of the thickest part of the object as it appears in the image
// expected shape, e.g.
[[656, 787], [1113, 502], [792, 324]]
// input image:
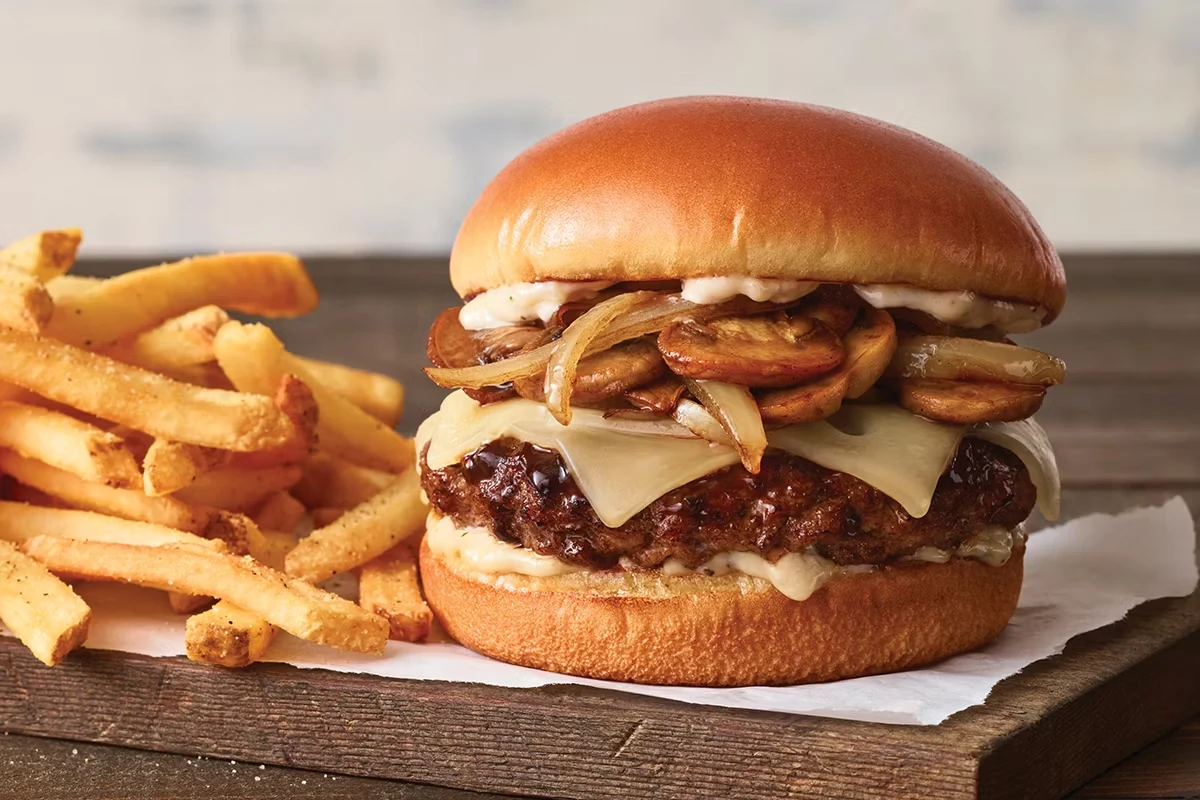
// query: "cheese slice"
[[1028, 441]]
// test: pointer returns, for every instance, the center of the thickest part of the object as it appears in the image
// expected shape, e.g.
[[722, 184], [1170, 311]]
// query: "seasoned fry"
[[65, 286], [362, 533], [187, 603], [239, 533], [24, 302], [125, 503], [43, 255], [296, 401], [276, 545], [296, 607], [20, 522], [183, 341], [254, 359], [268, 284], [323, 516], [170, 466], [330, 481], [279, 512], [378, 395], [388, 586], [68, 444], [238, 489], [159, 406], [45, 614], [228, 636], [20, 493]]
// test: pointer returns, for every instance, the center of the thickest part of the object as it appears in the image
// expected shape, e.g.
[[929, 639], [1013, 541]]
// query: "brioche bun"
[[730, 630], [724, 186]]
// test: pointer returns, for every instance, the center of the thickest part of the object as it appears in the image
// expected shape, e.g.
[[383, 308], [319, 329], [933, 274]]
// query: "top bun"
[[727, 186]]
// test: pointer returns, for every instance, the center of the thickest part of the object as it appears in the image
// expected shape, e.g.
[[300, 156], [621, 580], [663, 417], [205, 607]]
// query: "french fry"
[[68, 444], [65, 286], [20, 493], [296, 401], [378, 395], [20, 522], [298, 608], [267, 284], [239, 533], [254, 359], [170, 466], [362, 533], [236, 489], [159, 406], [228, 636], [24, 302], [183, 341], [45, 614], [187, 603], [43, 255], [276, 545], [333, 482], [125, 503], [388, 586], [323, 516], [279, 512]]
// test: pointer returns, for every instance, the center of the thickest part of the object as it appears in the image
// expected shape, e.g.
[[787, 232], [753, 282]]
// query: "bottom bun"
[[731, 630]]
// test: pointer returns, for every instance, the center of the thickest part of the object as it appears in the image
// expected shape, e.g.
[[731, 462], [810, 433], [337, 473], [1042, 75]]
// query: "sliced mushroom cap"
[[605, 375], [452, 345], [659, 397], [769, 350], [836, 307], [968, 403], [869, 348]]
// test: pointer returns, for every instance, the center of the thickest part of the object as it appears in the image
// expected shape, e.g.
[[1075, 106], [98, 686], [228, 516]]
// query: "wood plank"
[[1168, 768], [1041, 734]]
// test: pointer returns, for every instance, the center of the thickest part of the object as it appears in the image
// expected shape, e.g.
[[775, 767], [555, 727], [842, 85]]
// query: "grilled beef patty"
[[525, 495]]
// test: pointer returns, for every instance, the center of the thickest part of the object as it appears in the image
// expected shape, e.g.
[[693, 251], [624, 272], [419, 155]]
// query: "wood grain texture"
[[1126, 433]]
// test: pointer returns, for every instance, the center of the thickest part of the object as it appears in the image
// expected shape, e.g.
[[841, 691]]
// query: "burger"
[[735, 400]]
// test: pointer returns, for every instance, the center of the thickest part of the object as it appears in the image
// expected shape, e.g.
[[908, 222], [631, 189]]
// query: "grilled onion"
[[602, 376], [699, 421], [651, 315], [954, 358], [737, 412]]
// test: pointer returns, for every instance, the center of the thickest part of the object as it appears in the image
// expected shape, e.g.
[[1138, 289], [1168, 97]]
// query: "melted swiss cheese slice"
[[622, 467]]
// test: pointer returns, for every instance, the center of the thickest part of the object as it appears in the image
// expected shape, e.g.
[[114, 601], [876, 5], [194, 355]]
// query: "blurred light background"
[[368, 125]]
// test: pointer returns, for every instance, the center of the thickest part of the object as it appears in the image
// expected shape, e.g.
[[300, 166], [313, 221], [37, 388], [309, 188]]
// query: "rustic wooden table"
[[1124, 426]]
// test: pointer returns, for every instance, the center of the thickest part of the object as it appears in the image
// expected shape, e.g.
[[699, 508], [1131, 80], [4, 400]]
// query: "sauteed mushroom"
[[968, 403]]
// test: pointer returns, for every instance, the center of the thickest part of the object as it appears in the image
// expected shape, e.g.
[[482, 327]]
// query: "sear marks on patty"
[[526, 496]]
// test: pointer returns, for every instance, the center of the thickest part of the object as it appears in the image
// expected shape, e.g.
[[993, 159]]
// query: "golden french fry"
[[268, 284], [180, 342], [20, 522], [254, 359], [362, 533], [20, 493], [298, 608], [43, 255], [65, 286], [332, 482], [125, 503], [279, 512], [170, 466], [275, 547], [68, 444], [228, 636], [388, 586], [187, 603], [24, 302], [323, 516], [236, 489], [378, 395], [239, 533], [45, 614], [159, 406], [296, 401]]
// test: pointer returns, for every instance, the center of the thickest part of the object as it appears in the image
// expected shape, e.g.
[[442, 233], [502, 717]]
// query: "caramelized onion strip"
[[735, 408], [955, 358]]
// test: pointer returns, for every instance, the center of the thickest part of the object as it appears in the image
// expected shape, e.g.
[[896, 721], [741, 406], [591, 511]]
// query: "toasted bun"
[[731, 630], [726, 186]]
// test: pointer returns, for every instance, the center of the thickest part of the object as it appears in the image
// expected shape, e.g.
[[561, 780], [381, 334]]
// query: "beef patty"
[[525, 495]]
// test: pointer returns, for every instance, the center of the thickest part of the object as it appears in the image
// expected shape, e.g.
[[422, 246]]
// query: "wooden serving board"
[[1040, 734]]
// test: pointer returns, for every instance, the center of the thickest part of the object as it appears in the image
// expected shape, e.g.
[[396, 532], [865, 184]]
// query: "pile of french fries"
[[149, 438]]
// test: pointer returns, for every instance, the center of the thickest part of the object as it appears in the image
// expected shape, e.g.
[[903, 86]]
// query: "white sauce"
[[964, 309], [528, 302], [524, 302], [795, 575], [710, 291]]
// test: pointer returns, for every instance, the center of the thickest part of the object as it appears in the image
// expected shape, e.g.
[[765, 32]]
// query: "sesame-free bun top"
[[730, 186]]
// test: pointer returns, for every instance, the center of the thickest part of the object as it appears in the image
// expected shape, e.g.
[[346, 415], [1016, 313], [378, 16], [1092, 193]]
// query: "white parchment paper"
[[1079, 576]]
